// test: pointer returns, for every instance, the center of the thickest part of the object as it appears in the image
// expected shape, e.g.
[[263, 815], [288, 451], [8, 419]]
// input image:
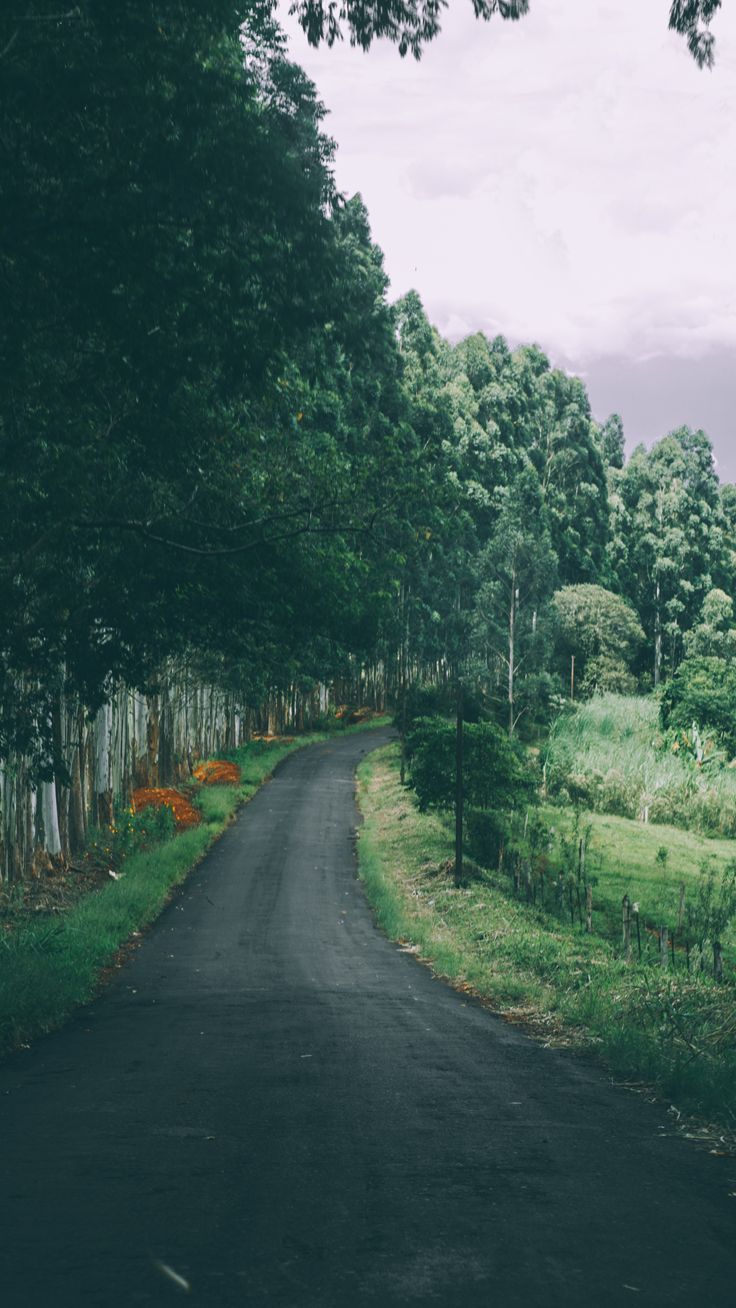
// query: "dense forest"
[[239, 486]]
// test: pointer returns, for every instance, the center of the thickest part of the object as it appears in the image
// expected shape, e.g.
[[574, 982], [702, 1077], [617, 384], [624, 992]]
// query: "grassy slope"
[[622, 854], [529, 965], [48, 968]]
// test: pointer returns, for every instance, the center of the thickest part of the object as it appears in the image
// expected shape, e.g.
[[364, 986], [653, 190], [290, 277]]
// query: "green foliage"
[[667, 539], [496, 774], [604, 634], [715, 634], [612, 441], [206, 435], [670, 1029], [410, 24], [703, 691], [611, 756], [714, 908]]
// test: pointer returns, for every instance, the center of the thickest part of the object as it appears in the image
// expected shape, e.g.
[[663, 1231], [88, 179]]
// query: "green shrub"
[[703, 691], [486, 832], [496, 774]]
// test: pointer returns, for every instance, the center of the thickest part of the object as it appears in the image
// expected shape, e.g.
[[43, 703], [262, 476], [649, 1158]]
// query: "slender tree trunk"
[[404, 676], [459, 788], [512, 650], [657, 636]]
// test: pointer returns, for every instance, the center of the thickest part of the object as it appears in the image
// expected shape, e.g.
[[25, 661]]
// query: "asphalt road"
[[284, 1109]]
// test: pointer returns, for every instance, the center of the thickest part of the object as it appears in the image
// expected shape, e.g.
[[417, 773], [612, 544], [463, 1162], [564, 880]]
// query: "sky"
[[569, 179]]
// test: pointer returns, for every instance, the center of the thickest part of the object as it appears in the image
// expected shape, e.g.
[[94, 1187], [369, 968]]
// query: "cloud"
[[569, 177]]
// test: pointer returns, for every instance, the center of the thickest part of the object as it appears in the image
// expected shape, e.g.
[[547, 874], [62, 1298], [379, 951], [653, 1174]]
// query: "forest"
[[367, 694], [241, 488]]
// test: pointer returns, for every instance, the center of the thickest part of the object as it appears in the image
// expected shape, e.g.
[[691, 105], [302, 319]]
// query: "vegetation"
[[660, 1026], [241, 489], [611, 756], [412, 23]]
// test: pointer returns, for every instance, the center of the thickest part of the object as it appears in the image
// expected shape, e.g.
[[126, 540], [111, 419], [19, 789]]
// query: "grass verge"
[[675, 1033], [49, 967]]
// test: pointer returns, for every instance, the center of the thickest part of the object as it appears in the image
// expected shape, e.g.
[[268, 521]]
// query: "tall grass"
[[610, 756]]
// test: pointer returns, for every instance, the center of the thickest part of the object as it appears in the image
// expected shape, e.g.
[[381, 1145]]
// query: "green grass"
[[665, 1029], [610, 755], [49, 967], [622, 855]]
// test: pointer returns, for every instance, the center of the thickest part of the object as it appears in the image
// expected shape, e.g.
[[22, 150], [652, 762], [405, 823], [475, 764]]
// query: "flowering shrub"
[[129, 832]]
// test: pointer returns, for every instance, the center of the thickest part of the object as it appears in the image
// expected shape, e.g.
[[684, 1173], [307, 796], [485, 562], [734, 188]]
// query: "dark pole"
[[459, 791]]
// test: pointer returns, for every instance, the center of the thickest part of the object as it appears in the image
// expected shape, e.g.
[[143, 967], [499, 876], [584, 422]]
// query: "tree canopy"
[[411, 24]]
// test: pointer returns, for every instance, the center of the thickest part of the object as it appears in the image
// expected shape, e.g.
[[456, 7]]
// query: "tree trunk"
[[459, 789], [657, 637], [512, 651]]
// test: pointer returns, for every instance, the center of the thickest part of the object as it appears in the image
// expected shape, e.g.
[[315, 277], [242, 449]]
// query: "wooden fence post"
[[663, 942], [589, 908], [626, 926], [635, 911], [681, 907], [717, 960]]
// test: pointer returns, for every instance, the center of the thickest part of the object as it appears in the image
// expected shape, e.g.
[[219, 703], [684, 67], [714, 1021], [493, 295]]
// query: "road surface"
[[281, 1108]]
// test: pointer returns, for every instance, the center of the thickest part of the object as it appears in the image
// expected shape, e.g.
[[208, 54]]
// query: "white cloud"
[[568, 179]]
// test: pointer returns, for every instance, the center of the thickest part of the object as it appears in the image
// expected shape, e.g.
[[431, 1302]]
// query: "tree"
[[410, 24], [566, 454], [204, 437], [703, 691], [669, 538], [612, 441], [495, 773], [602, 632], [518, 569], [715, 634]]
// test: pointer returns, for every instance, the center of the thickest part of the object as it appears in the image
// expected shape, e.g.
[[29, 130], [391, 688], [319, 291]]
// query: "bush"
[[496, 774], [703, 690], [605, 673], [486, 832]]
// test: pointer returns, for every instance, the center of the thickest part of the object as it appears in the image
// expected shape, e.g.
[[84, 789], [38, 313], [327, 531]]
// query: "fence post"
[[681, 907], [527, 870], [635, 911], [626, 925], [589, 908], [663, 941], [717, 960]]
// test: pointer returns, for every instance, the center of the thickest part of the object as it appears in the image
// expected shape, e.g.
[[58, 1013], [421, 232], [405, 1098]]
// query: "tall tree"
[[671, 540], [612, 441], [518, 569]]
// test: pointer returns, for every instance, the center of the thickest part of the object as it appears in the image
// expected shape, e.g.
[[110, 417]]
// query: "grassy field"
[[52, 964], [658, 1027], [610, 756], [625, 858]]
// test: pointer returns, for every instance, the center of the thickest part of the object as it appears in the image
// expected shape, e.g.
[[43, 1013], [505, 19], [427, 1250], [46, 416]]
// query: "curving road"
[[282, 1108]]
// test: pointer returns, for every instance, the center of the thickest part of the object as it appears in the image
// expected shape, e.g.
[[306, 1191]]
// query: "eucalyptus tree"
[[612, 442], [670, 539], [518, 570], [203, 429]]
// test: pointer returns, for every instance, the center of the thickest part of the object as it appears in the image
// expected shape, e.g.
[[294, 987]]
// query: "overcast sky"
[[569, 179]]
